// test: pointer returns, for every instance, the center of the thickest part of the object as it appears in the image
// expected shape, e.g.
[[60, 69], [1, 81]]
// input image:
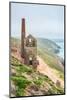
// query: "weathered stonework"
[[28, 47]]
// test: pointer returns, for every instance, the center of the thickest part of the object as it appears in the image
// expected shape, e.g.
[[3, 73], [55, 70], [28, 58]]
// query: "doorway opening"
[[30, 60]]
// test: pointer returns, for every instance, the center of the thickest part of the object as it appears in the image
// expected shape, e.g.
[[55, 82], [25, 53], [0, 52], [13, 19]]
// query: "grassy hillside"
[[25, 81], [47, 49], [48, 45], [28, 82]]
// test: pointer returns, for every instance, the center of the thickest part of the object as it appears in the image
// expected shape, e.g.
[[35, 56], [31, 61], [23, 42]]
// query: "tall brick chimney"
[[22, 37]]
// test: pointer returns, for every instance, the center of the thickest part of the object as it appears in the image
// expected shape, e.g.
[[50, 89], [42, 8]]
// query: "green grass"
[[61, 75], [38, 81], [20, 83], [49, 59], [45, 79], [20, 67], [42, 79], [23, 68], [55, 90], [14, 61]]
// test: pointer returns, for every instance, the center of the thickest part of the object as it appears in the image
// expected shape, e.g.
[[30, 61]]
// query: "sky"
[[46, 21]]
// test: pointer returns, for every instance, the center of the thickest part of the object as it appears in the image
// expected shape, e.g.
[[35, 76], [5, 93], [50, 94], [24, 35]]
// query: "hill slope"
[[26, 81], [48, 45]]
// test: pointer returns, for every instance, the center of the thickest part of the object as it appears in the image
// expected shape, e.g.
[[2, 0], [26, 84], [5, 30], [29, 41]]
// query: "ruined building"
[[28, 47]]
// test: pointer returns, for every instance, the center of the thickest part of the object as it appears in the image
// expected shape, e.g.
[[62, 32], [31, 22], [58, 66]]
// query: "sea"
[[60, 42]]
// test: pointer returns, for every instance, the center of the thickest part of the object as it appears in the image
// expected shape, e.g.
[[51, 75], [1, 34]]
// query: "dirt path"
[[46, 70], [43, 68]]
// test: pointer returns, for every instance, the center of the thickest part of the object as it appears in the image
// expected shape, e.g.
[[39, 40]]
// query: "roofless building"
[[28, 47]]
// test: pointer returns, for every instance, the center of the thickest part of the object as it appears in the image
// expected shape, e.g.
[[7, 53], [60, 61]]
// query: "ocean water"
[[60, 42]]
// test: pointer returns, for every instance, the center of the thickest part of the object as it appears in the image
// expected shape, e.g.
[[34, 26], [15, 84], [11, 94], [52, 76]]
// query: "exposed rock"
[[34, 87], [58, 83], [13, 72], [13, 89], [36, 92]]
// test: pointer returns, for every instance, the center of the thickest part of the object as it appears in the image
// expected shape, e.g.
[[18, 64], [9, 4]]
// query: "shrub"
[[21, 83]]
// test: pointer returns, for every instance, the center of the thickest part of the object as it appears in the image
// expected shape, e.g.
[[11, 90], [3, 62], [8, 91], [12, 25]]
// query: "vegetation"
[[20, 83], [48, 45], [26, 76]]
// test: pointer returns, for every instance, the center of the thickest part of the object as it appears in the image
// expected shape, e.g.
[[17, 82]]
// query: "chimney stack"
[[23, 27], [22, 37]]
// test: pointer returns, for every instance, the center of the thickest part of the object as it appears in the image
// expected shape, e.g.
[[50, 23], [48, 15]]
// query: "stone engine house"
[[28, 47]]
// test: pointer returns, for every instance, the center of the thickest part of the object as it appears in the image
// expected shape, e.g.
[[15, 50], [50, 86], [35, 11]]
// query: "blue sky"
[[45, 21]]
